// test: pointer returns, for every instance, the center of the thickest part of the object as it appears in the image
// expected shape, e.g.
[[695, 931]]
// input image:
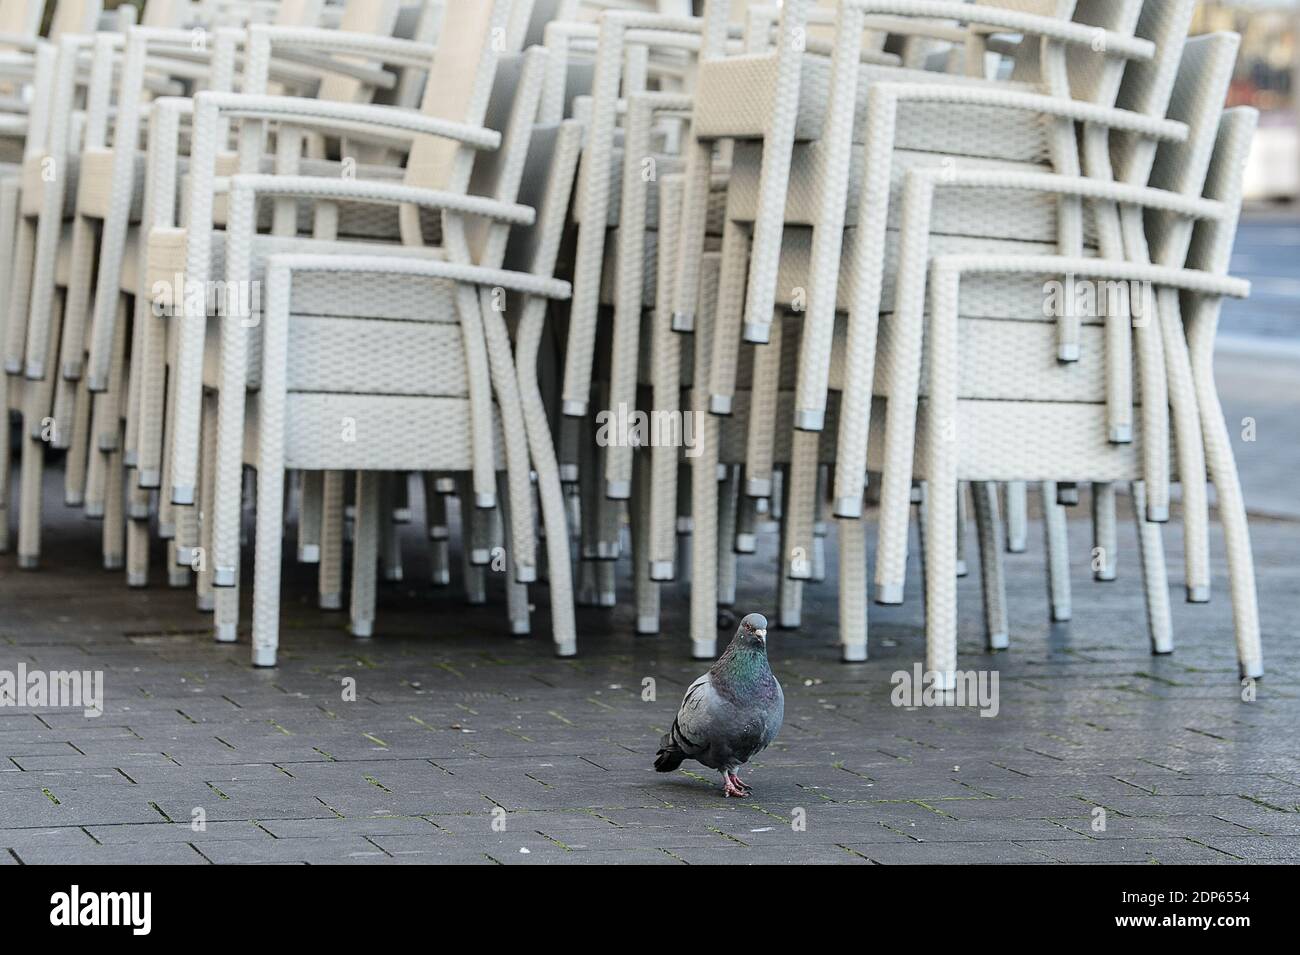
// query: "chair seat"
[[34, 173], [349, 432], [995, 296], [95, 189], [993, 213], [736, 98]]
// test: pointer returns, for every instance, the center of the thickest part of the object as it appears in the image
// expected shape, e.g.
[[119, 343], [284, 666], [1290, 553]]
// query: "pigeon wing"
[[691, 731]]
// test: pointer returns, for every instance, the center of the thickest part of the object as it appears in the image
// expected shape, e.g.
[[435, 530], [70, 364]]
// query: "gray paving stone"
[[457, 729]]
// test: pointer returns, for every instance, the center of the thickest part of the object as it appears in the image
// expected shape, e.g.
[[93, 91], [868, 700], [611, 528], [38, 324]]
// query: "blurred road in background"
[[1258, 360]]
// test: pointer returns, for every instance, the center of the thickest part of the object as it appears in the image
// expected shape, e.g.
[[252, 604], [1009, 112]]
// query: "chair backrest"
[[299, 12], [1147, 85], [376, 17], [549, 174], [21, 17], [458, 88], [164, 13], [1197, 100], [512, 111], [1211, 246], [75, 16]]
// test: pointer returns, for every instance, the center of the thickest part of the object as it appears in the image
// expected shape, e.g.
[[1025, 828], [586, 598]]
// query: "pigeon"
[[730, 713]]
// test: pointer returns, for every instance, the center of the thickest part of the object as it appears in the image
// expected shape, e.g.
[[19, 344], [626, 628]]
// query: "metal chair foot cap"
[[618, 490], [848, 507], [647, 624], [661, 570], [758, 487], [263, 656], [1198, 595], [309, 554], [28, 562], [999, 641], [853, 653], [683, 322], [720, 404], [809, 419], [363, 629], [1121, 434], [889, 594], [225, 632], [574, 409], [330, 601]]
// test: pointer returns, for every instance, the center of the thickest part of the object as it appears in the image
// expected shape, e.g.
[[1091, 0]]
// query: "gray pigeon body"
[[730, 713]]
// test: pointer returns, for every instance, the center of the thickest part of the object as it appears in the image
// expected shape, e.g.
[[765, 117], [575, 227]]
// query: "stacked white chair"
[[789, 235]]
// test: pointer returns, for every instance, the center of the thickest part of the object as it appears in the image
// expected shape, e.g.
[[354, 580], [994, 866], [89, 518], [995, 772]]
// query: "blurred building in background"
[[1267, 68]]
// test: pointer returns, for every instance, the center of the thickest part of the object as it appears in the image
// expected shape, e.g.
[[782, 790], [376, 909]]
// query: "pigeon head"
[[753, 630]]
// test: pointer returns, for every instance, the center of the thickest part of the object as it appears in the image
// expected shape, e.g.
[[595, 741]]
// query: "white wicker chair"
[[1056, 438], [1198, 90], [427, 428], [427, 165]]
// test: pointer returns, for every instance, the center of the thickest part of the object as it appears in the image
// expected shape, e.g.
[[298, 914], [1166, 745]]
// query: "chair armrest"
[[21, 42], [347, 116], [357, 190], [1187, 280], [1014, 21], [1060, 107], [280, 267], [392, 50], [1195, 207]]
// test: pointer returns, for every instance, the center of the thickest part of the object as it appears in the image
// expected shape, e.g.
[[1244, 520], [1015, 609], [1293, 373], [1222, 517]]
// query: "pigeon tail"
[[669, 756]]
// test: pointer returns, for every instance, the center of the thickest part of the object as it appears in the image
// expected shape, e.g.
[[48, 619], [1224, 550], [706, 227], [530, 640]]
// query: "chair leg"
[[96, 474], [799, 504], [31, 476], [78, 457], [1155, 578], [390, 540], [6, 464], [268, 543], [853, 588], [471, 525], [435, 518], [365, 553], [1017, 493], [113, 538], [1231, 505], [309, 517], [647, 590], [329, 579], [205, 597], [137, 533], [789, 597], [516, 591], [989, 530], [704, 538], [550, 493], [1104, 543], [963, 518], [727, 489], [1058, 558]]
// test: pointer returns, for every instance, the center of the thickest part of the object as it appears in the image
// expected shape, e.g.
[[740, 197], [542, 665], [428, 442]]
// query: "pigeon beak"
[[762, 634]]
